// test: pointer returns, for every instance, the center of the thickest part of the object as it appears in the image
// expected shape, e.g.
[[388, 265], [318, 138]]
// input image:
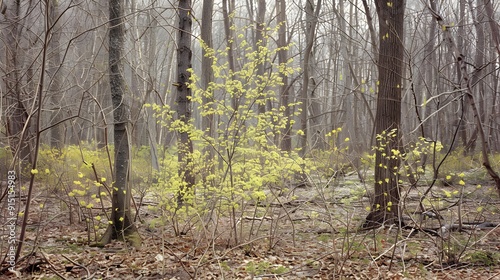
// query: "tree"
[[207, 122], [54, 73], [286, 140], [466, 86], [260, 42], [121, 226], [312, 14], [17, 120], [228, 15], [385, 206], [183, 98]]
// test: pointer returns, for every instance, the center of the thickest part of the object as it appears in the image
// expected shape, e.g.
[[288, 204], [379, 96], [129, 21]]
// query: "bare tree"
[[385, 206], [54, 74], [183, 98], [260, 42], [15, 112], [466, 86], [207, 122], [286, 141], [227, 13], [312, 14], [121, 226]]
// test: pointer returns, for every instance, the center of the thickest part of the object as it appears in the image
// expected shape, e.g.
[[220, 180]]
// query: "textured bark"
[[493, 134], [431, 83], [286, 140], [477, 81], [207, 76], [260, 42], [122, 226], [312, 13], [348, 115], [15, 111], [373, 35], [385, 208], [54, 74], [462, 114], [184, 54], [495, 30], [227, 13]]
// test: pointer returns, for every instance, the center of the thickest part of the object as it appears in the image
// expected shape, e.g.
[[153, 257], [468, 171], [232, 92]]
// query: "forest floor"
[[312, 236]]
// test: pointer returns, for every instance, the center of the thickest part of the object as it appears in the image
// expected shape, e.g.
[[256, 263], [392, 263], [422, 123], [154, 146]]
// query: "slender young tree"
[[15, 111], [286, 140], [312, 14], [228, 14], [260, 42], [207, 121], [183, 98], [388, 117], [465, 84], [54, 73], [121, 226]]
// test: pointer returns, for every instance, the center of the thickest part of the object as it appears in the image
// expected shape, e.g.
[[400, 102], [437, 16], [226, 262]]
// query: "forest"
[[266, 139]]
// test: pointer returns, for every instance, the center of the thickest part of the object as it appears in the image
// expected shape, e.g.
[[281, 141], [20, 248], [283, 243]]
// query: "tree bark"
[[15, 111], [227, 13], [495, 34], [184, 54], [260, 42], [286, 140], [385, 208], [495, 30], [312, 13], [54, 74], [207, 76], [122, 226]]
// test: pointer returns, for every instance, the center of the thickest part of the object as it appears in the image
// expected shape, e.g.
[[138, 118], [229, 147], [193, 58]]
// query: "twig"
[[493, 277], [79, 265], [52, 268]]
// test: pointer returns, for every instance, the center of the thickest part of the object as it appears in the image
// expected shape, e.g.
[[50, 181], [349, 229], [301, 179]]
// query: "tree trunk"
[[207, 76], [15, 112], [369, 21], [227, 13], [185, 146], [385, 208], [493, 134], [260, 42], [462, 114], [312, 14], [54, 74], [495, 30], [286, 140], [122, 226], [477, 81]]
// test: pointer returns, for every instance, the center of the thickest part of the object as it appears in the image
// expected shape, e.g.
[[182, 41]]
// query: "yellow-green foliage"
[[5, 159], [72, 167], [411, 156], [141, 170], [240, 161], [471, 165], [69, 171], [335, 157]]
